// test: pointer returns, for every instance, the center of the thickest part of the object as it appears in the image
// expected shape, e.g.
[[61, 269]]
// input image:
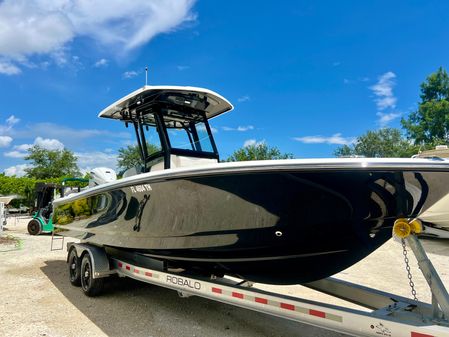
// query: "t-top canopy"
[[173, 98]]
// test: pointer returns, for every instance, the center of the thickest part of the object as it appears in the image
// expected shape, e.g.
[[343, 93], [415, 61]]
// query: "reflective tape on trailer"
[[135, 270], [277, 304], [321, 314], [244, 297]]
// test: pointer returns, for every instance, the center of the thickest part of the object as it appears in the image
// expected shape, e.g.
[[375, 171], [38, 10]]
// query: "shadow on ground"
[[129, 307]]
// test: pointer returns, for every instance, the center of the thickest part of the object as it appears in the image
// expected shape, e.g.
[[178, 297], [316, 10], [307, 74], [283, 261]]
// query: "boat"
[[277, 221], [440, 152], [6, 199], [436, 215]]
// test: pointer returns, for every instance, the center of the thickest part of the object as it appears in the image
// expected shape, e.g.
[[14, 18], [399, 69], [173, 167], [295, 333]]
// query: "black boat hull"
[[272, 226]]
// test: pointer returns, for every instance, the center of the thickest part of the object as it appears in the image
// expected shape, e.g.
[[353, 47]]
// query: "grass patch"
[[10, 240]]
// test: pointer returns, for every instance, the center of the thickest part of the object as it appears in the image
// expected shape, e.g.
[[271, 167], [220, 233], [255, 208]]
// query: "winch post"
[[439, 292]]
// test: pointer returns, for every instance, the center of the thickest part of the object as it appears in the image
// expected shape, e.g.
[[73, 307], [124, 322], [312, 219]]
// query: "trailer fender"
[[100, 261]]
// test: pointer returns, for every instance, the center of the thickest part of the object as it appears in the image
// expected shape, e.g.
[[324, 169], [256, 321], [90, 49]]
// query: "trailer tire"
[[34, 227], [91, 286], [74, 268]]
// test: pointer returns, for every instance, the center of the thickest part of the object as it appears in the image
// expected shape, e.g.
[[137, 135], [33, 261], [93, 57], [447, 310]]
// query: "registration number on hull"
[[140, 188]]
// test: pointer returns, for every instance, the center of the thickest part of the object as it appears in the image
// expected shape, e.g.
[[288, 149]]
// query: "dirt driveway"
[[38, 300]]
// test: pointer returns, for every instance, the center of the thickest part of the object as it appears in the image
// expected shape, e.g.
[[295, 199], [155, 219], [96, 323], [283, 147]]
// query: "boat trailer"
[[388, 315]]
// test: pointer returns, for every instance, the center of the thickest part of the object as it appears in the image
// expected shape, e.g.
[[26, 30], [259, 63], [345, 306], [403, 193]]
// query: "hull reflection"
[[275, 226]]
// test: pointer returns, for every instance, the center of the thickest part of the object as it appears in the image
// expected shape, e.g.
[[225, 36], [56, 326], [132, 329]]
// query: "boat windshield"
[[171, 132], [152, 139], [192, 137]]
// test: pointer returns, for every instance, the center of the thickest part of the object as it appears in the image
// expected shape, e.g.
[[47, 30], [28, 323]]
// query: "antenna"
[[146, 75]]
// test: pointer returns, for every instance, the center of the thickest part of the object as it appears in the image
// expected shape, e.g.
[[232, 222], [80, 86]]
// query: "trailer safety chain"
[[407, 268]]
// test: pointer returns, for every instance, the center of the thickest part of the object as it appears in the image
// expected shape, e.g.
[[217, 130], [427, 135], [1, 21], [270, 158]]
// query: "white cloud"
[[385, 118], [65, 133], [11, 120], [48, 144], [245, 128], [17, 170], [252, 142], [334, 139], [76, 60], [244, 98], [21, 150], [89, 160], [249, 142], [8, 68], [131, 23], [101, 63], [5, 141], [130, 74], [15, 154], [336, 64], [239, 128], [203, 128], [30, 28], [383, 89], [23, 147], [182, 68], [46, 27], [59, 57]]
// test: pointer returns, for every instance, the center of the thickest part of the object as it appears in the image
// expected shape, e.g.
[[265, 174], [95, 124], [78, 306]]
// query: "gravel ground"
[[38, 300]]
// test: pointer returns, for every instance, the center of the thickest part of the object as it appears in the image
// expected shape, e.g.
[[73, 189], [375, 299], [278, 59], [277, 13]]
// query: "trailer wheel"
[[74, 268], [34, 227], [91, 286]]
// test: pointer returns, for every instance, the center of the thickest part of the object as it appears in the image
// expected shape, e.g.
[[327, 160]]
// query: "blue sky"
[[305, 76]]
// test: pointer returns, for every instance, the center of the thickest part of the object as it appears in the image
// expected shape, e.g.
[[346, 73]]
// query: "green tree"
[[23, 187], [387, 142], [345, 151], [129, 156], [260, 151], [430, 123], [47, 164]]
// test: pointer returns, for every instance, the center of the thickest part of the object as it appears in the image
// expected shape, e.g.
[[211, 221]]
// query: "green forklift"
[[45, 194]]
